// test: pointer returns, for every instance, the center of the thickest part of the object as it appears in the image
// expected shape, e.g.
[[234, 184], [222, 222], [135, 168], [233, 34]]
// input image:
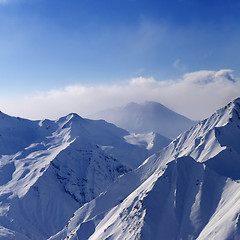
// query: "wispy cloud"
[[177, 64], [196, 95]]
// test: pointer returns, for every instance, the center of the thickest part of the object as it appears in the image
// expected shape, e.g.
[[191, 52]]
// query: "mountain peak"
[[73, 116], [146, 104], [66, 121], [229, 113], [147, 117], [153, 103]]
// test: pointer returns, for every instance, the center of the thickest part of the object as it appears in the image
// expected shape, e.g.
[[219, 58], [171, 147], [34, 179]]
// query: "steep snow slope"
[[77, 175], [189, 190], [48, 169], [188, 201], [147, 117]]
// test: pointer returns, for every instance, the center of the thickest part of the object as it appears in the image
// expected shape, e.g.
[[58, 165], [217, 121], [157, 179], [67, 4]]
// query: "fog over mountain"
[[146, 117]]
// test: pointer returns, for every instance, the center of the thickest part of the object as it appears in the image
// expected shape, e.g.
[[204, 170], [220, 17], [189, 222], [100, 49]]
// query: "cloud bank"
[[196, 95]]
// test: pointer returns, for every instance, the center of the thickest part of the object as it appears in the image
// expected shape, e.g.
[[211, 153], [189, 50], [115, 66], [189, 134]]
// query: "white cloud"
[[196, 95], [142, 82]]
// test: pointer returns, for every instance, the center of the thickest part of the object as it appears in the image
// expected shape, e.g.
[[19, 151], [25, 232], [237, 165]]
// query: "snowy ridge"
[[192, 185]]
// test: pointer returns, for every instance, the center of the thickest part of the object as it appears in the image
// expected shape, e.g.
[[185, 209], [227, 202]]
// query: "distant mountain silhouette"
[[147, 117]]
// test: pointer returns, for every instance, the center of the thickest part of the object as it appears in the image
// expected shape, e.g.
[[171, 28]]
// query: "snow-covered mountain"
[[73, 178], [147, 117], [188, 190], [48, 169]]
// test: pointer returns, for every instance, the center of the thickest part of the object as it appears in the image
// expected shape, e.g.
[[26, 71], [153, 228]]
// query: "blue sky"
[[74, 49], [48, 44]]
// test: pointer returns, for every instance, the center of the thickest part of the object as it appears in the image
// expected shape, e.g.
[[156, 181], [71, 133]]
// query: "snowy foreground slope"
[[147, 117], [188, 190], [48, 169]]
